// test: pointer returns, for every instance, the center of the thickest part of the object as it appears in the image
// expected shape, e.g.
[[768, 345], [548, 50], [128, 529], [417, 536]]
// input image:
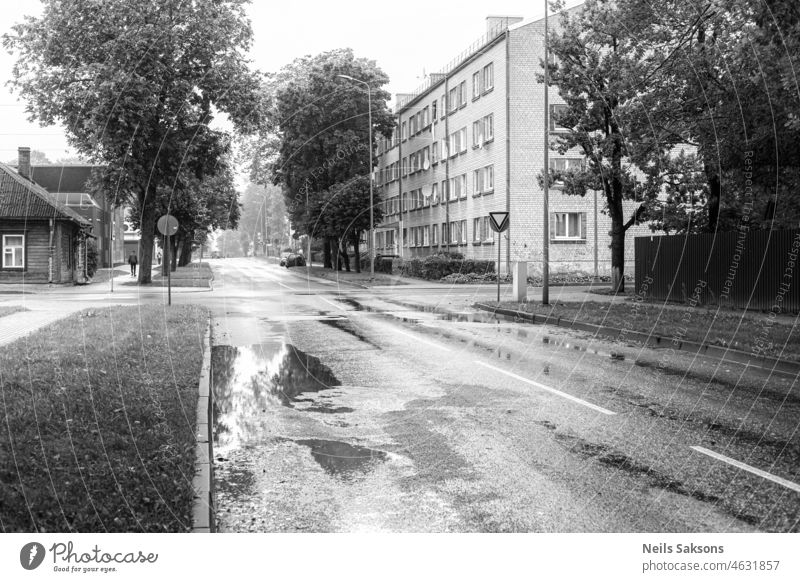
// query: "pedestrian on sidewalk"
[[133, 261]]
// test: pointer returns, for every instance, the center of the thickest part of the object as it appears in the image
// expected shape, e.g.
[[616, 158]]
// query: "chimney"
[[494, 23], [24, 163]]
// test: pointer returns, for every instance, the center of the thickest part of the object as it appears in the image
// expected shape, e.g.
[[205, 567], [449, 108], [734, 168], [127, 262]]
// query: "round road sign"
[[167, 225]]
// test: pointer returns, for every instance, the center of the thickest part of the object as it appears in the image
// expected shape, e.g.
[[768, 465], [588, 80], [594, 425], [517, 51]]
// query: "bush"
[[382, 264], [91, 257], [435, 267]]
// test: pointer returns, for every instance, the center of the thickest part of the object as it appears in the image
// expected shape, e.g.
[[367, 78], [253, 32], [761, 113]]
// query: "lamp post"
[[371, 203], [546, 193]]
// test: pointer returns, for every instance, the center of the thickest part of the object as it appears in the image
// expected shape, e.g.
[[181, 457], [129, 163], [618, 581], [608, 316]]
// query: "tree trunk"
[[357, 251], [186, 252], [714, 195], [173, 253], [345, 256], [148, 228], [326, 253], [617, 257]]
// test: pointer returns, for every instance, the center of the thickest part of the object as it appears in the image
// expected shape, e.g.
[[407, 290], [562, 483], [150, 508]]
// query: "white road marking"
[[419, 339], [339, 307], [745, 467], [549, 389]]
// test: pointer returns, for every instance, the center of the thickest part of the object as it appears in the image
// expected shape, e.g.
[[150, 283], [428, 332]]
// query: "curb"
[[203, 507], [772, 365]]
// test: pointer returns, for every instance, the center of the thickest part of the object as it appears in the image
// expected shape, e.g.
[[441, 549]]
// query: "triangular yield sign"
[[498, 221]]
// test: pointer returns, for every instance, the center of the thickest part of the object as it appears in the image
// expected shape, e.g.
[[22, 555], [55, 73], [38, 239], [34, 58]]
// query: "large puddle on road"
[[246, 380], [342, 459]]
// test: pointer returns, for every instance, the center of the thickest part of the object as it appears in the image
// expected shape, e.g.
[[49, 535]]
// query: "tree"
[[137, 84], [264, 213], [722, 80], [322, 123], [598, 67]]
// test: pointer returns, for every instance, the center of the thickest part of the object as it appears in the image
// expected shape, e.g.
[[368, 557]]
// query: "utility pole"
[[546, 193]]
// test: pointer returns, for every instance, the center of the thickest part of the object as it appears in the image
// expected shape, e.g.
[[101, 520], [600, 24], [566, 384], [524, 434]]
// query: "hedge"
[[435, 267]]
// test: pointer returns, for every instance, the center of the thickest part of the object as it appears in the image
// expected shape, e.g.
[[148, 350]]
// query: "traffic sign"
[[167, 225], [498, 221]]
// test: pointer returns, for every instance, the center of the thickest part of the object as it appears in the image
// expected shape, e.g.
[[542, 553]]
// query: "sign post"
[[499, 223], [168, 225]]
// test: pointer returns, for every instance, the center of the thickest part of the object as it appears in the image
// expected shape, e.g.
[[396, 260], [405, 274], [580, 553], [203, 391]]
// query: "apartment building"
[[471, 141]]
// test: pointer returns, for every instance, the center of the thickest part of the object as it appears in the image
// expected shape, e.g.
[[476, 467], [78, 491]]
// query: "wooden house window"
[[13, 251]]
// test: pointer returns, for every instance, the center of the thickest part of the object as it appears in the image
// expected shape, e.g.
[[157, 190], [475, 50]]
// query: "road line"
[[549, 389], [419, 339], [753, 470], [339, 307]]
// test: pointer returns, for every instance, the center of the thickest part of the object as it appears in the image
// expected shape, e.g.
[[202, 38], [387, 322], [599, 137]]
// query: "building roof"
[[62, 178], [23, 199]]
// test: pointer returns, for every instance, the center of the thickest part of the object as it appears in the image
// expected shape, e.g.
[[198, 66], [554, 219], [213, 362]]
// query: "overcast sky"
[[407, 39]]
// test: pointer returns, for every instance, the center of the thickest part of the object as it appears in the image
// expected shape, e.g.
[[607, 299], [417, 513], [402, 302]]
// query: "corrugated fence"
[[753, 269]]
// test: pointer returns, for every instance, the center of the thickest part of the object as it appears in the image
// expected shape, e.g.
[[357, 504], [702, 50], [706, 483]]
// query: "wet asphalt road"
[[342, 409]]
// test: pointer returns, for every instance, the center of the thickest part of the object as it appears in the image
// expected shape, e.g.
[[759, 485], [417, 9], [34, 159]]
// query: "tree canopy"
[[137, 84]]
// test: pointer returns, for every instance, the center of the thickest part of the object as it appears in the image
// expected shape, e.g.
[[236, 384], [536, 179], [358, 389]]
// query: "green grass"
[[727, 328], [98, 422], [9, 309]]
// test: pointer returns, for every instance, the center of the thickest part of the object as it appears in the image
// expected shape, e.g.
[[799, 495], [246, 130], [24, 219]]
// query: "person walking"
[[133, 261]]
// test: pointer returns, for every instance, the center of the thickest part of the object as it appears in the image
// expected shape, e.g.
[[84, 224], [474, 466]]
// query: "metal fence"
[[747, 269]]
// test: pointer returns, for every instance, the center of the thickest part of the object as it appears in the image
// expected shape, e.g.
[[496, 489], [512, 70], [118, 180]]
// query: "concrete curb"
[[203, 509], [772, 365]]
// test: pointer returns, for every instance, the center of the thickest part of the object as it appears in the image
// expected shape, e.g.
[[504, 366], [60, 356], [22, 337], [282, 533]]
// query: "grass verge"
[[748, 332], [9, 309], [99, 417]]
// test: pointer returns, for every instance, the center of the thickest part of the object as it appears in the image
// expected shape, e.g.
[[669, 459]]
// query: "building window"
[[426, 120], [404, 132], [435, 234], [405, 237], [488, 127], [477, 134], [435, 153], [13, 251], [476, 85], [426, 236], [462, 140], [454, 234], [462, 238], [482, 131], [555, 111], [433, 110], [483, 180], [568, 226], [476, 229], [462, 94], [566, 164], [443, 107], [435, 194], [488, 78], [443, 190], [458, 187], [444, 233], [405, 167]]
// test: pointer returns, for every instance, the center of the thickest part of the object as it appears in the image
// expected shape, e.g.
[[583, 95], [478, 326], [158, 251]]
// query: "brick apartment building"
[[470, 141]]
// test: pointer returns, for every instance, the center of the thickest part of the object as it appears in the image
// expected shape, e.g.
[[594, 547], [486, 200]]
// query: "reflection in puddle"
[[246, 381], [342, 459]]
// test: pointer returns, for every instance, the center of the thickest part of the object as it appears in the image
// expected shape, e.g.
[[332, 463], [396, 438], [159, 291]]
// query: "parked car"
[[216, 255], [284, 256], [294, 260]]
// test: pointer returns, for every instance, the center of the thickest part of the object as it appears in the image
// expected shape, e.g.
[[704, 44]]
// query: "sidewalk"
[[20, 324]]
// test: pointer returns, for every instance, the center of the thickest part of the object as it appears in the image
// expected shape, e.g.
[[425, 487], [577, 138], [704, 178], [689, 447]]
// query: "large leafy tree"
[[322, 126], [136, 84], [264, 215], [722, 80], [598, 67]]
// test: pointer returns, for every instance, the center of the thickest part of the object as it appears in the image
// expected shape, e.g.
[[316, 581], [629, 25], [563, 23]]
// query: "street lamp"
[[371, 213]]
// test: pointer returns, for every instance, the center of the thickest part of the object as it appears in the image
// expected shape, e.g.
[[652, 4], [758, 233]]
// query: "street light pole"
[[546, 193], [371, 201]]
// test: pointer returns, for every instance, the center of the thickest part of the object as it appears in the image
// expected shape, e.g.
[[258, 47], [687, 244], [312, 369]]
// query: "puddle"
[[329, 409], [616, 356], [248, 380], [346, 326], [342, 459]]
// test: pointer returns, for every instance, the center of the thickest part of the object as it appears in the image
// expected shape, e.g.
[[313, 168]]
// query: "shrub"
[[435, 267], [91, 257]]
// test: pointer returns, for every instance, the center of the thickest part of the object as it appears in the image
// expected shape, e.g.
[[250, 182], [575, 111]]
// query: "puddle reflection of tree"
[[248, 380]]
